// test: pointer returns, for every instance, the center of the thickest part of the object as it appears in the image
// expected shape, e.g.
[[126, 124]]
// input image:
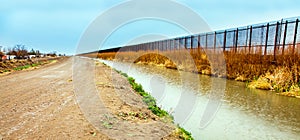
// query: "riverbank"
[[9, 66], [147, 112], [261, 72]]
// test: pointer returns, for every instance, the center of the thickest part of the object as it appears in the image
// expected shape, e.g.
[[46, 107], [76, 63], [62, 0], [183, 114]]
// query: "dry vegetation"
[[16, 65], [259, 71]]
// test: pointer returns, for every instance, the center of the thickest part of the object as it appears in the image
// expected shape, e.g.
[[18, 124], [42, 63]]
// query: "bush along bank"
[[151, 102], [281, 80]]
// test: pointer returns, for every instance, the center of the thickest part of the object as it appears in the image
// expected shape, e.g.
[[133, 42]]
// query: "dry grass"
[[261, 71]]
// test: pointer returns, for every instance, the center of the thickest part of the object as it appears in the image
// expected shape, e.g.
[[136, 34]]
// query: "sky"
[[58, 25]]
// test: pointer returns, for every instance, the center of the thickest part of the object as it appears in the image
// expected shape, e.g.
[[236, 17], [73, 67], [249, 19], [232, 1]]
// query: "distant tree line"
[[20, 52]]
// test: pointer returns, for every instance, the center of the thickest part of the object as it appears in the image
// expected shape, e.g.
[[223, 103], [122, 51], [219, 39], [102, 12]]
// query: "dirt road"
[[41, 104]]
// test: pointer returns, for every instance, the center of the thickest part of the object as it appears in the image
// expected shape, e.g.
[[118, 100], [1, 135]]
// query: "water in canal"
[[216, 108]]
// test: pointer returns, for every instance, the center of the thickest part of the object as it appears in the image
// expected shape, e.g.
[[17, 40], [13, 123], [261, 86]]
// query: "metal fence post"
[[215, 39], [224, 43], [165, 45], [267, 36], [185, 42], [156, 46], [247, 37], [192, 42], [236, 39], [284, 37], [169, 47], [198, 43], [161, 45], [206, 40], [250, 39], [171, 44], [168, 44], [177, 43], [180, 43], [276, 40], [295, 35]]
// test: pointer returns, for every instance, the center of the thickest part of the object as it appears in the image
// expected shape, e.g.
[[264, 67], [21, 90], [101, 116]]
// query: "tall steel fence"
[[273, 38]]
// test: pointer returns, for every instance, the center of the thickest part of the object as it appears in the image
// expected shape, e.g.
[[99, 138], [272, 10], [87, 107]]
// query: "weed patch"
[[151, 102], [22, 67], [183, 134]]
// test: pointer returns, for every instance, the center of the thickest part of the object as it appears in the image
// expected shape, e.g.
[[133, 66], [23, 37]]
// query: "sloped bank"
[[141, 114]]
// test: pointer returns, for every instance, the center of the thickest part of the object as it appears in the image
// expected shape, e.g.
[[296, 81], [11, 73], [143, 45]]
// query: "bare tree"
[[21, 51], [11, 51]]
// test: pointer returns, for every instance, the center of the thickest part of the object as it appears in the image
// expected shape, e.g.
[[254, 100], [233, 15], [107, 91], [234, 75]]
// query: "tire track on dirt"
[[40, 104]]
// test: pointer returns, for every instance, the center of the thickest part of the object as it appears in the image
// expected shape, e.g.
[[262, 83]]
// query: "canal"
[[216, 108]]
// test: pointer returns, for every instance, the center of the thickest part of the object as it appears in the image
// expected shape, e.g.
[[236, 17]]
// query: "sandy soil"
[[41, 104]]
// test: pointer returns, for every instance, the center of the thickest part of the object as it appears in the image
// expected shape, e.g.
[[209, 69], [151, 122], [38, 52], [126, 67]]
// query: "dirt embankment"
[[130, 106], [16, 65]]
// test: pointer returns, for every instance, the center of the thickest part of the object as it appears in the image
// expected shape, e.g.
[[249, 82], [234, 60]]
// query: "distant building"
[[32, 56], [10, 57]]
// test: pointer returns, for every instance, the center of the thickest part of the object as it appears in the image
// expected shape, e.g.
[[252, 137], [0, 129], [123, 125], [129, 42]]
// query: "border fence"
[[273, 38]]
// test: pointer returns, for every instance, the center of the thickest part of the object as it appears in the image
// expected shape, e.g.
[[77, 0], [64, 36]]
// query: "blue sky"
[[57, 25]]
